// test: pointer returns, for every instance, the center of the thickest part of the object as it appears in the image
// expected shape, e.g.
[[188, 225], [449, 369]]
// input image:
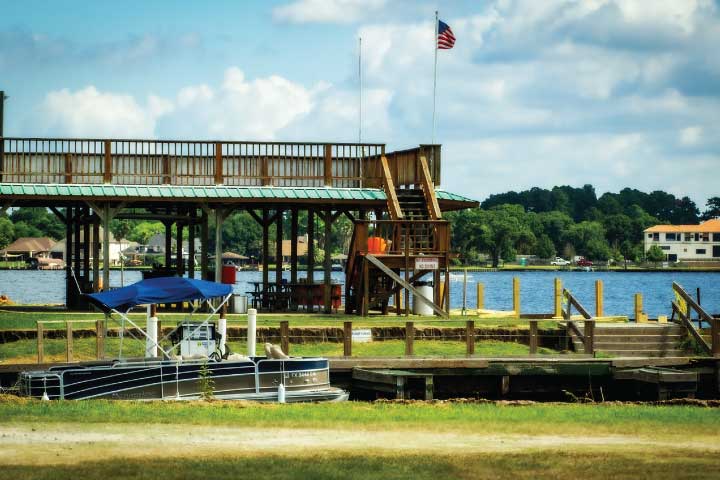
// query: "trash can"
[[426, 290], [239, 303], [228, 274]]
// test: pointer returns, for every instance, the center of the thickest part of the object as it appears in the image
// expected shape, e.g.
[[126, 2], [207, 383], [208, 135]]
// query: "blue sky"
[[536, 93]]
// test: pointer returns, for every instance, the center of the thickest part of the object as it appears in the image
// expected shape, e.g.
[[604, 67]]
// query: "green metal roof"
[[203, 192]]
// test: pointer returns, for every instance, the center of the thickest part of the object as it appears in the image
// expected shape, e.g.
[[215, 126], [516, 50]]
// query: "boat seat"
[[274, 352]]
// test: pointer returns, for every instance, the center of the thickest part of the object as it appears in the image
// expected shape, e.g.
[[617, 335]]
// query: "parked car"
[[560, 262], [584, 262]]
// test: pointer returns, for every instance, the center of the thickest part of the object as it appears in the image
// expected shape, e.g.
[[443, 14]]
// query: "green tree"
[[37, 222], [7, 232], [655, 254], [142, 232], [618, 228], [544, 248], [588, 239], [712, 208]]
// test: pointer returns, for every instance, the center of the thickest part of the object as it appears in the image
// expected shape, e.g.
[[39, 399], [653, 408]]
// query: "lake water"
[[536, 288]]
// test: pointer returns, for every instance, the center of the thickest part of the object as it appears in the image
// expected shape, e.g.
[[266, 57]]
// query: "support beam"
[[293, 245], [191, 242], [106, 217], [168, 245], [96, 254], [265, 255], [311, 246], [327, 290], [219, 218], [375, 261], [204, 241], [179, 263], [278, 250]]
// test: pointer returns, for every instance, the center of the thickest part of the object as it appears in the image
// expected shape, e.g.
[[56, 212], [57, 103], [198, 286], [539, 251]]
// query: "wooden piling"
[[558, 298], [639, 308], [533, 337], [480, 296], [347, 339], [68, 342], [470, 337], [285, 336], [516, 296], [40, 346], [589, 336], [715, 337], [599, 298], [100, 340], [409, 338]]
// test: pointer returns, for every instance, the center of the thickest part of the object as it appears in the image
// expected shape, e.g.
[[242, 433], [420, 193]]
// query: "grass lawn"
[[103, 439], [25, 351]]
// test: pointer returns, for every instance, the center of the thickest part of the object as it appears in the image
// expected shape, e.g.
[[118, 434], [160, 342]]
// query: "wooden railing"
[[587, 337], [403, 237], [158, 162], [683, 307]]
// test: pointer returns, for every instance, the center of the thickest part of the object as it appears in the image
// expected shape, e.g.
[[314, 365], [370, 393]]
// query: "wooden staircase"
[[414, 230], [634, 340]]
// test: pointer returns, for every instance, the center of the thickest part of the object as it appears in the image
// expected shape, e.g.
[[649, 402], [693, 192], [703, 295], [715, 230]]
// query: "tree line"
[[568, 221]]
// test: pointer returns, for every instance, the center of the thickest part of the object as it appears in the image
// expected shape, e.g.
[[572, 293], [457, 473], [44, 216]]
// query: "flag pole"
[[435, 39], [361, 88]]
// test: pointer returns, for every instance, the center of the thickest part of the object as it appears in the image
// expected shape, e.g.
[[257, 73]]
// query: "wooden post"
[[347, 339], [311, 248], [558, 298], [265, 257], [179, 261], [409, 338], [96, 254], [191, 243], [599, 298], [715, 337], [366, 288], [589, 337], [107, 171], [219, 217], [99, 340], [278, 254], [638, 308], [204, 250], [218, 164], [68, 167], [442, 293], [40, 346], [327, 170], [327, 263], [293, 245], [533, 337], [285, 336], [68, 342], [480, 296], [470, 337], [516, 296]]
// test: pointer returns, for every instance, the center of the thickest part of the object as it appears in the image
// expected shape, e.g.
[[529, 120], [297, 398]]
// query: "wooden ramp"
[[666, 382]]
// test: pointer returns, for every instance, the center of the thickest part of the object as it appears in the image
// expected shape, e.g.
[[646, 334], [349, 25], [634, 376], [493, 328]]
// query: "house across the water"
[[682, 243]]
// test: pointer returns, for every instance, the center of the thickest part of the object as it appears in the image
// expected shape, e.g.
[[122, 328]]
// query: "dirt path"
[[47, 444]]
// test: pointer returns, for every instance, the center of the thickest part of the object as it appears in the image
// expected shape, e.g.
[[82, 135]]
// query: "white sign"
[[362, 335], [430, 263]]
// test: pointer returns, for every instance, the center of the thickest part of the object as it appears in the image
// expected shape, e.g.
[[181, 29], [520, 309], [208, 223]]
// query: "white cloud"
[[327, 11], [691, 135], [91, 113]]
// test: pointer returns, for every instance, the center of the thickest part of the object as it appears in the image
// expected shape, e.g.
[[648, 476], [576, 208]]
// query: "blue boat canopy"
[[158, 290]]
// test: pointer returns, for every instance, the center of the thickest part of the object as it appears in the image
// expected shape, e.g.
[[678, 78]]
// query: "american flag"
[[446, 39]]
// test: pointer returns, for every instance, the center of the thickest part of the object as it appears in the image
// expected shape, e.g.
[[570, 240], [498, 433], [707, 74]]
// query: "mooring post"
[[285, 337], [533, 337], [99, 340], [589, 337], [516, 296], [40, 349], [347, 339], [715, 336], [68, 342], [558, 298], [598, 298], [470, 337], [639, 308], [480, 296], [409, 338]]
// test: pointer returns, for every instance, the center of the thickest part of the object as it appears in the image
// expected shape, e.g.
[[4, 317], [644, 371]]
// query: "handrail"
[[429, 190], [572, 301], [389, 187], [691, 304]]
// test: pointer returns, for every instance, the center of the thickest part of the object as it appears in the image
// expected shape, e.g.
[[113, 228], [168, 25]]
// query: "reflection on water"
[[536, 288]]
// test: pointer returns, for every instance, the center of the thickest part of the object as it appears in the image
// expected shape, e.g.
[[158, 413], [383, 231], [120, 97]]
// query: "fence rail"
[[196, 163]]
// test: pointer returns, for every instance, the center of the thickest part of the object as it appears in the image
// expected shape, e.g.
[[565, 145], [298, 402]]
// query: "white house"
[[686, 242]]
